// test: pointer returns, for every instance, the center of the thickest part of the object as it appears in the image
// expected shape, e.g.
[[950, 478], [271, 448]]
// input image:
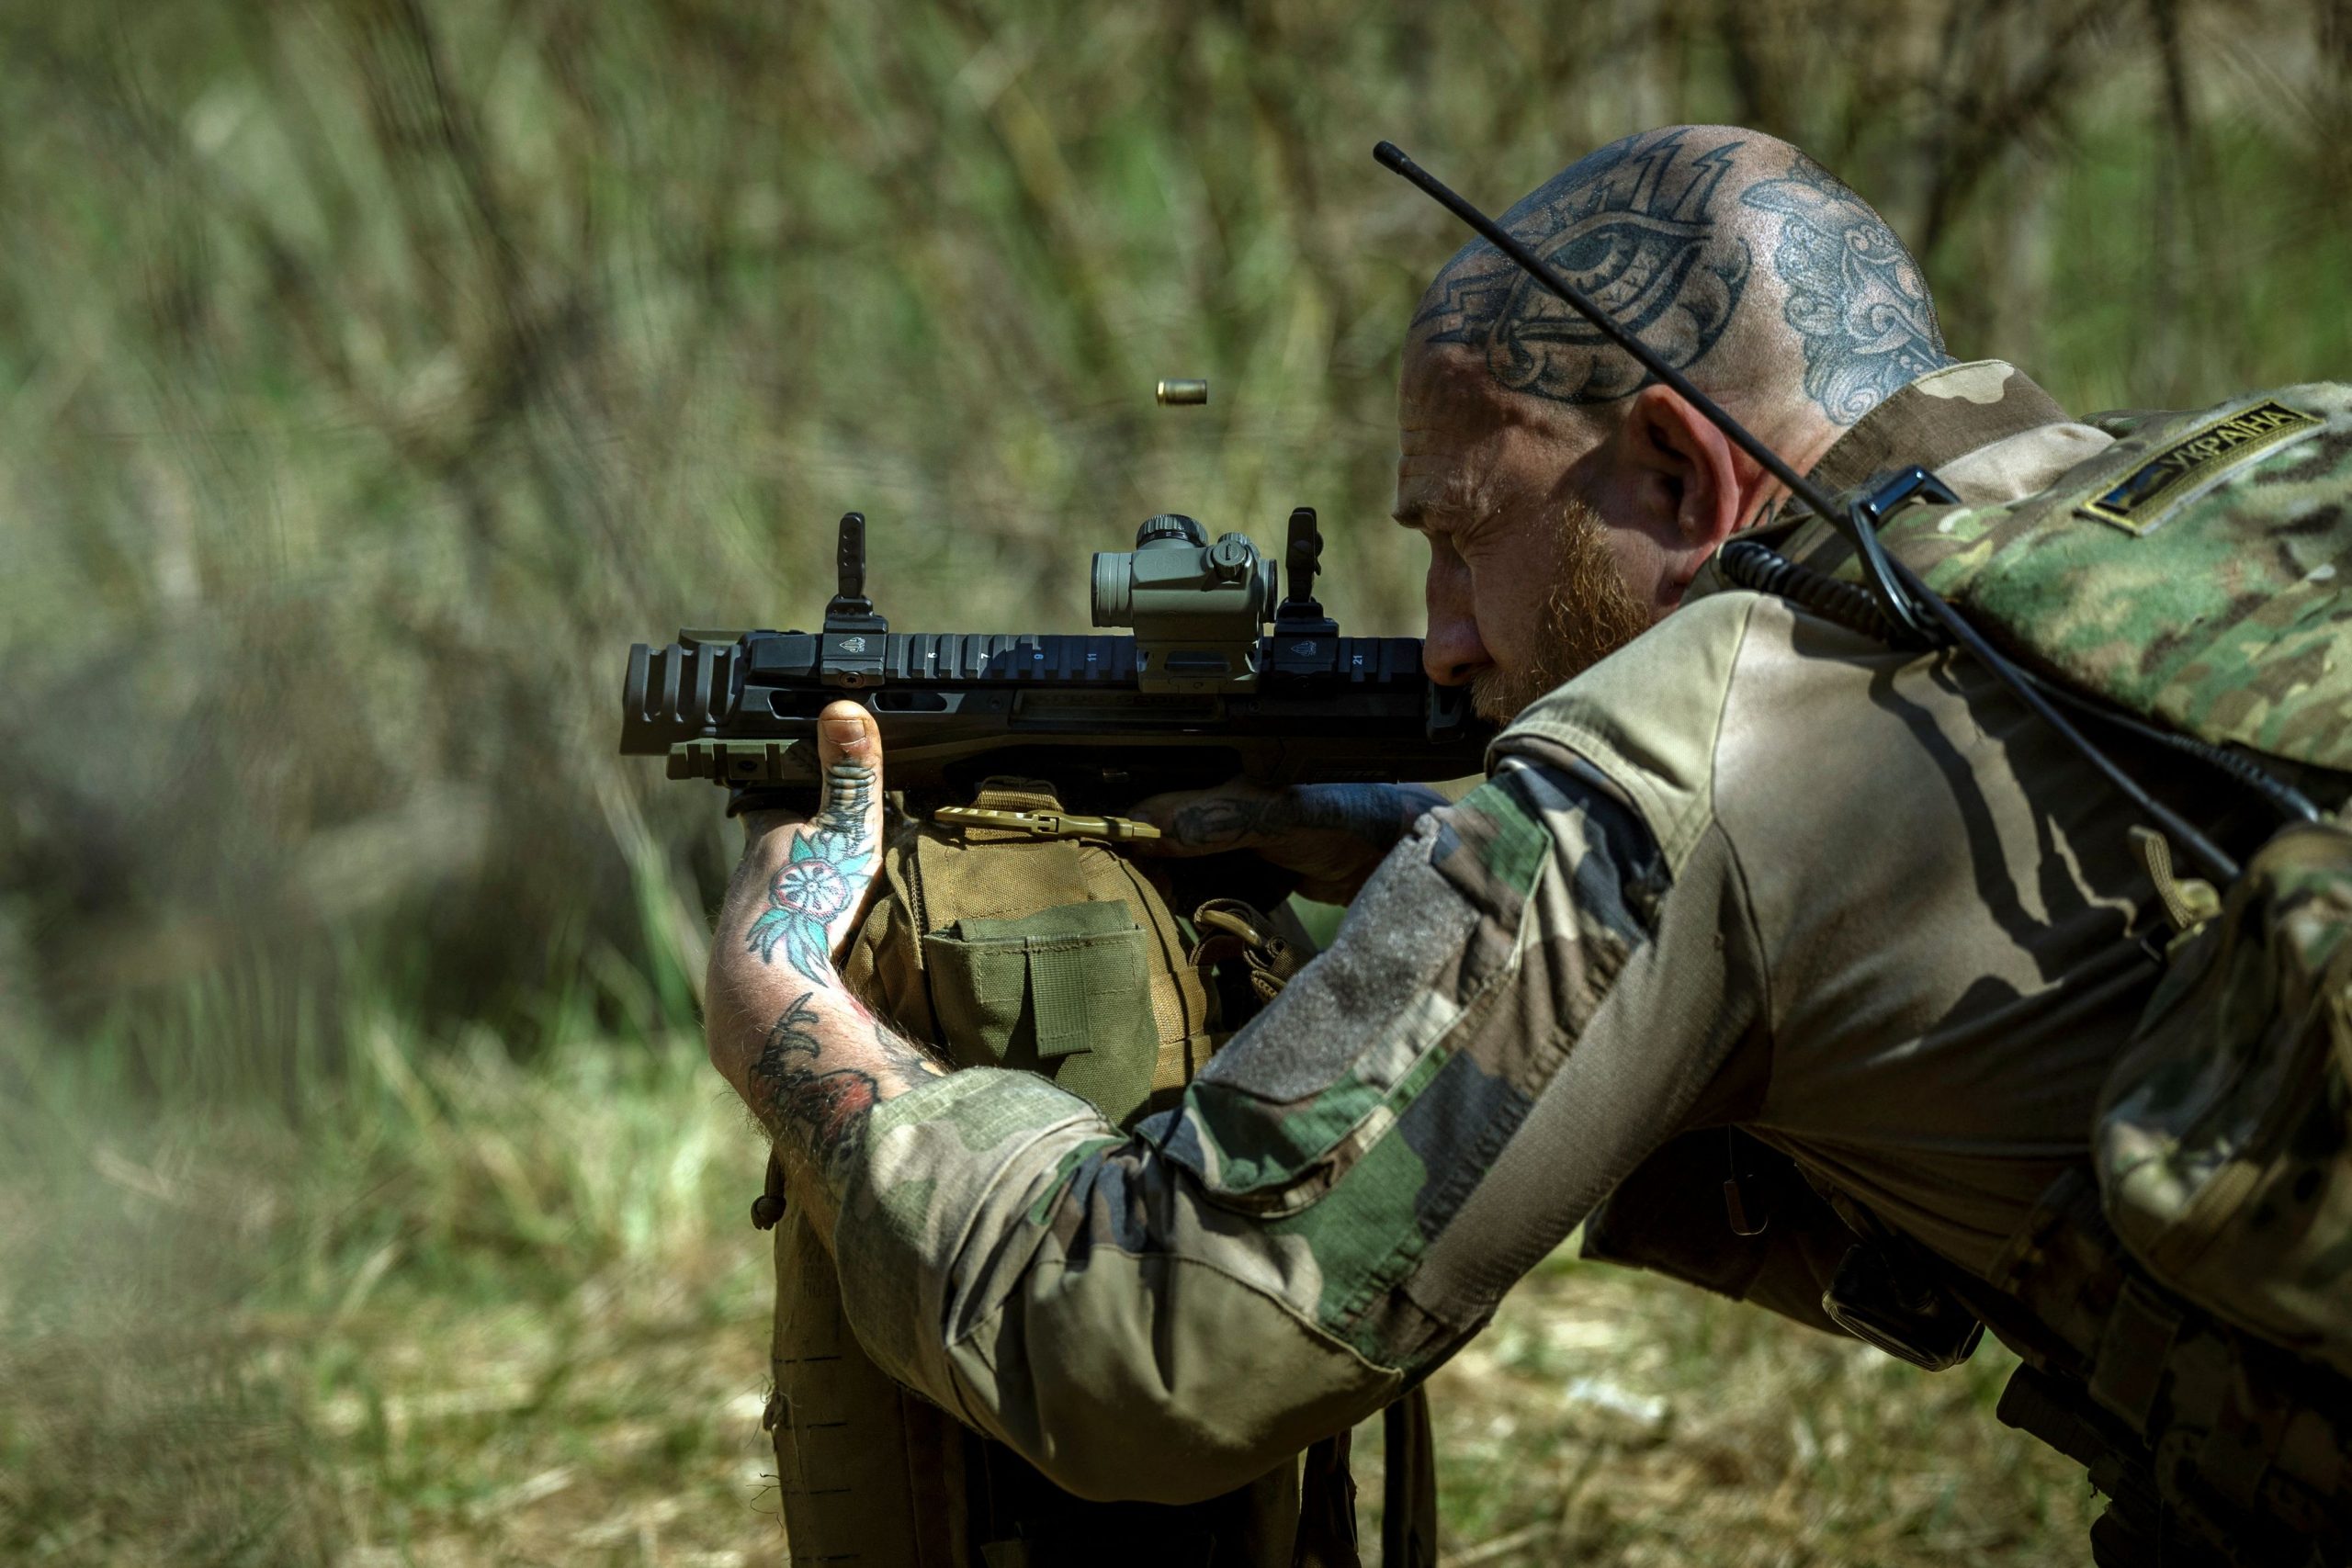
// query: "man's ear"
[[1710, 483]]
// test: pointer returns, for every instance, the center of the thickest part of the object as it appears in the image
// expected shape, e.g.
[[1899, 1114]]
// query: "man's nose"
[[1452, 652]]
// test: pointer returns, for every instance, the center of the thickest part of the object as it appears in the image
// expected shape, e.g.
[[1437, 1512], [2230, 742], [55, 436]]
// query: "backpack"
[[2222, 1134], [2190, 1298], [2199, 574]]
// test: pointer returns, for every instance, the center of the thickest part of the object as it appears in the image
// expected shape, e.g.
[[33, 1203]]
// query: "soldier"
[[1736, 866]]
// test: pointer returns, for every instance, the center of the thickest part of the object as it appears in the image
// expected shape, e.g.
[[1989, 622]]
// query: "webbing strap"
[[2132, 1353]]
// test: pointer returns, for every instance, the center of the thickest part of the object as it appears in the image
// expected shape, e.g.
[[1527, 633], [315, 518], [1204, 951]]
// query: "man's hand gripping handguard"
[[808, 1058], [1332, 837]]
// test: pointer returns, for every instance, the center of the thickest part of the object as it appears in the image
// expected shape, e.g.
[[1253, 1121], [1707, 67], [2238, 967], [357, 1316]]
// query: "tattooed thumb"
[[849, 751], [847, 733], [815, 892]]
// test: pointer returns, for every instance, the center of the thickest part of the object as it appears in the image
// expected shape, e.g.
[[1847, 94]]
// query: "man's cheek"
[[1507, 613]]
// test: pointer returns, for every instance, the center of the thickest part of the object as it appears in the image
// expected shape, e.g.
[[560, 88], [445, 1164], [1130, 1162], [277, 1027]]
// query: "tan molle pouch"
[[1003, 949], [1063, 992], [1051, 955]]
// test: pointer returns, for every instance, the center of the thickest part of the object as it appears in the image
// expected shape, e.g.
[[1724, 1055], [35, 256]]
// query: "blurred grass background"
[[373, 371]]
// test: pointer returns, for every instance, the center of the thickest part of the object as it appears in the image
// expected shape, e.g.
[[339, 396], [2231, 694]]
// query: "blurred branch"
[[1981, 126]]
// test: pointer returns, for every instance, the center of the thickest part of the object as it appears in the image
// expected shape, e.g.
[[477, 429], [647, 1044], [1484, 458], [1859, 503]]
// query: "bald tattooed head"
[[1744, 263]]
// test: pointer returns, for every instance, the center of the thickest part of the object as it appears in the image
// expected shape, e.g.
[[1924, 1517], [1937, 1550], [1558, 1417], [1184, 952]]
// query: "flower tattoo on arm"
[[815, 887], [809, 1058]]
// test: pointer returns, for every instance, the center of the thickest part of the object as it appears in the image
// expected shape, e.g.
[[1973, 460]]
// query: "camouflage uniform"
[[1756, 870]]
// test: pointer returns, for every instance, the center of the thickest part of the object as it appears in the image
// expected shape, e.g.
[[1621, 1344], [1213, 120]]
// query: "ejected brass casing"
[[1176, 390]]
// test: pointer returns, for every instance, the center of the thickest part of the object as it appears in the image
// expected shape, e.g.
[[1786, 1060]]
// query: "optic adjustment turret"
[[1168, 527]]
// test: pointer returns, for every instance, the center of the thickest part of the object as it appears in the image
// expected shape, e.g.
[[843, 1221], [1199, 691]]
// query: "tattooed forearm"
[[1379, 814], [819, 882], [818, 1076], [797, 1099], [1222, 821], [814, 1076]]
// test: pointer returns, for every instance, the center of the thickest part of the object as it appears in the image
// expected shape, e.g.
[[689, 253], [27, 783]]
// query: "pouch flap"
[[1065, 980]]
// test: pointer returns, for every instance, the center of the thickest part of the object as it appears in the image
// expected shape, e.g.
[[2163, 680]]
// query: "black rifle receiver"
[[1206, 689]]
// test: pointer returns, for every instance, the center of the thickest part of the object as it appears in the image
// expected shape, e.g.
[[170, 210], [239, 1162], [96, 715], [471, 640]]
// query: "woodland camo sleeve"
[[1342, 1196]]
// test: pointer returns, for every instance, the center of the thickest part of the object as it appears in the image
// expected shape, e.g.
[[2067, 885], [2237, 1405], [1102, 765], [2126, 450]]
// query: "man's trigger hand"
[[1332, 836]]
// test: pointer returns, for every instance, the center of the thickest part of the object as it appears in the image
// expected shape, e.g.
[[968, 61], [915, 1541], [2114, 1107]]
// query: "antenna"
[[1897, 588]]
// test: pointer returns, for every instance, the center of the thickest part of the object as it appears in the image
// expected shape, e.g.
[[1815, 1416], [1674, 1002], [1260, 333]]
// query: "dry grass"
[[1615, 1420], [466, 1312]]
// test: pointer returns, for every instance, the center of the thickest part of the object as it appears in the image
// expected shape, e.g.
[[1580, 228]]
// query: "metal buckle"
[[1885, 495]]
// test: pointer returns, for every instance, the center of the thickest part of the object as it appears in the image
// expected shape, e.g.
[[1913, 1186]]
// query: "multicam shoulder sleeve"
[[1493, 1040]]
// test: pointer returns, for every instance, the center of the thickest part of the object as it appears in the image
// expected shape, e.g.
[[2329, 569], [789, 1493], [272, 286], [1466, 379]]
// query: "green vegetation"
[[372, 371]]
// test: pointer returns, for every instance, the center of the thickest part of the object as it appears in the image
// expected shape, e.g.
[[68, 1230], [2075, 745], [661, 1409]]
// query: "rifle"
[[1217, 680]]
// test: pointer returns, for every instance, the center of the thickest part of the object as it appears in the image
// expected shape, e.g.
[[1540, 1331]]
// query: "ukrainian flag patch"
[[2196, 463]]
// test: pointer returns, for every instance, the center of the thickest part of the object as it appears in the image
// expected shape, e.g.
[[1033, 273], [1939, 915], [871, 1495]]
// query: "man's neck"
[[1801, 447]]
